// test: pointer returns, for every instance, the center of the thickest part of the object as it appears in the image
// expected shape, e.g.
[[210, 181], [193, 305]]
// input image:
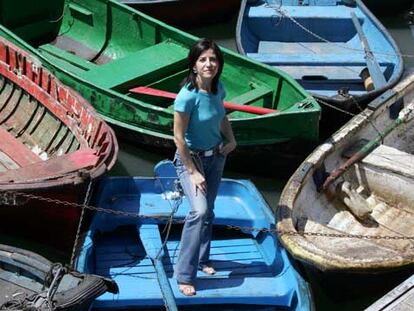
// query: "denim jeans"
[[197, 230]]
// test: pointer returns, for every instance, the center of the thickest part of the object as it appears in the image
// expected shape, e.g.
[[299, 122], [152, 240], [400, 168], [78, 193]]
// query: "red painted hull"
[[188, 13], [53, 145]]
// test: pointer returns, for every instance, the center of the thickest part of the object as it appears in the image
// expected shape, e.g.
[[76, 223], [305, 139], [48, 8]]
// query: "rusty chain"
[[168, 218]]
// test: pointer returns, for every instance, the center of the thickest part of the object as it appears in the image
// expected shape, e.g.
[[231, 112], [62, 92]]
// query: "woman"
[[204, 137]]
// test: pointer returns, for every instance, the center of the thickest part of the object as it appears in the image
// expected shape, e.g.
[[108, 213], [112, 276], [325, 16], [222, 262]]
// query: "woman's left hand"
[[227, 148]]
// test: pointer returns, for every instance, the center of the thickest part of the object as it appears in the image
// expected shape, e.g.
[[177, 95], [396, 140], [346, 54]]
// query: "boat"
[[29, 281], [53, 145], [337, 50], [137, 244], [399, 298], [109, 52], [348, 207], [187, 13]]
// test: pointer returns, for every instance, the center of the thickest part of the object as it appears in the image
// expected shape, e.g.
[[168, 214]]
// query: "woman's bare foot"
[[208, 270], [187, 289]]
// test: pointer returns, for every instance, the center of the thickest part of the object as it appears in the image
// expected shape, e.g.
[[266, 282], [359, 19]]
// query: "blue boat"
[[337, 50], [253, 271]]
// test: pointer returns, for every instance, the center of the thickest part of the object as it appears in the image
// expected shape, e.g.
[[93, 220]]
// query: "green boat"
[[103, 49]]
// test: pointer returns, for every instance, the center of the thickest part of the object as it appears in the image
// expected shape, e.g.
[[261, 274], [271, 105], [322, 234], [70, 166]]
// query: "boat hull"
[[105, 72], [253, 272], [321, 46], [361, 220], [28, 277], [53, 146]]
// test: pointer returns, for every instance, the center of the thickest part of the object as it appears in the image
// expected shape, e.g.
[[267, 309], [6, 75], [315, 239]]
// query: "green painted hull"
[[102, 49]]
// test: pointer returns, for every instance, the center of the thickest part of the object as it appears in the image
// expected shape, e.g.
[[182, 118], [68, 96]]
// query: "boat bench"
[[305, 12], [16, 150], [141, 67], [391, 173], [67, 163], [65, 59]]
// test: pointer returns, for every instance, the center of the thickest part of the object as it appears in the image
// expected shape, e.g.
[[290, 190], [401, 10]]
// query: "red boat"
[[187, 13], [53, 145]]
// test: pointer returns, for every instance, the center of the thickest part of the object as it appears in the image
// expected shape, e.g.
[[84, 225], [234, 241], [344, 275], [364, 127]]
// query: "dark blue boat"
[[30, 282], [253, 270], [337, 50]]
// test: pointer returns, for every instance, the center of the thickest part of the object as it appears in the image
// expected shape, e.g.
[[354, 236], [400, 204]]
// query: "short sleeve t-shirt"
[[206, 111]]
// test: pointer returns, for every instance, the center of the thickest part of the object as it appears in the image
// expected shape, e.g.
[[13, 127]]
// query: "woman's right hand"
[[199, 182]]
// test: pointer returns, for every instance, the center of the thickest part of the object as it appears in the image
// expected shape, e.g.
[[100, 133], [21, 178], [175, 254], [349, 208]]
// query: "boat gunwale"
[[396, 76], [106, 155], [298, 245]]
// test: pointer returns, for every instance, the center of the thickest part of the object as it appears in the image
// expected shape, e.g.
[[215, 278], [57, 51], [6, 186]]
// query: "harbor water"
[[135, 160]]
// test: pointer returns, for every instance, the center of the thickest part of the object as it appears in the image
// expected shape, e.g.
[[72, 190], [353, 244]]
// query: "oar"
[[155, 92], [403, 116], [373, 67], [151, 240]]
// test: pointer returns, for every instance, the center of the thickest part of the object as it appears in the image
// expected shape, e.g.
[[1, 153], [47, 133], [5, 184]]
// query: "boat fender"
[[366, 78]]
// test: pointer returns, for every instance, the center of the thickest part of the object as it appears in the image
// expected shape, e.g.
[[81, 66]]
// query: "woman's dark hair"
[[196, 50]]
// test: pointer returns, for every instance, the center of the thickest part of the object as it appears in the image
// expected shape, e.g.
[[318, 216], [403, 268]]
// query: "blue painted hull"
[[318, 44], [253, 270]]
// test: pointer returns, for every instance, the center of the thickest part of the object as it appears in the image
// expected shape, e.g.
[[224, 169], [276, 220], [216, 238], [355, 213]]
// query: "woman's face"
[[206, 66]]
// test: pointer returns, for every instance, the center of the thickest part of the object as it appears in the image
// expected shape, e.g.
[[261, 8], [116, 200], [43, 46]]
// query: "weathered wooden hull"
[[253, 271], [319, 45], [25, 273], [53, 145], [332, 233], [105, 48], [187, 13]]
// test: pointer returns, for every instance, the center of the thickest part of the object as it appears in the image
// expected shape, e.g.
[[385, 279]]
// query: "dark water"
[[331, 293]]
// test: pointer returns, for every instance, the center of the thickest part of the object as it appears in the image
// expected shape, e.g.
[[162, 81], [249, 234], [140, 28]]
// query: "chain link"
[[177, 221]]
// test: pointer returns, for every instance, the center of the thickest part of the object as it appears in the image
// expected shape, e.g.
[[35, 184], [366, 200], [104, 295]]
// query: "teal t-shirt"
[[206, 112]]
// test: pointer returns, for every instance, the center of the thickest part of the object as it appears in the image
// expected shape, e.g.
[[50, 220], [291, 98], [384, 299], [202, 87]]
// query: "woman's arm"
[[180, 126], [227, 131]]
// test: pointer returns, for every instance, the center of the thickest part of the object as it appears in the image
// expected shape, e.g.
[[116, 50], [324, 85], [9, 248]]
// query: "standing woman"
[[204, 137]]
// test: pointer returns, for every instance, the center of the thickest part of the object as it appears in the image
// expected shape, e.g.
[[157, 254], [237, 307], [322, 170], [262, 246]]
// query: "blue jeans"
[[197, 230]]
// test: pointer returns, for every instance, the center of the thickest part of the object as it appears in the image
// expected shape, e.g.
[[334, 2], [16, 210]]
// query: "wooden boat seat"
[[16, 150], [391, 159], [67, 163], [141, 67], [319, 12], [67, 59]]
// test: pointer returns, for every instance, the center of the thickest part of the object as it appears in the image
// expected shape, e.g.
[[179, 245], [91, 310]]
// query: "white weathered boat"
[[349, 208]]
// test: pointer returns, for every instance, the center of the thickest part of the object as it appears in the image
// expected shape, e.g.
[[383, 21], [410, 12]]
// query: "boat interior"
[[373, 197], [326, 38], [248, 262], [45, 130], [114, 48]]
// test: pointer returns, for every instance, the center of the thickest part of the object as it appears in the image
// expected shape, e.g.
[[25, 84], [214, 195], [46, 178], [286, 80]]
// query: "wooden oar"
[[151, 240], [368, 147], [373, 67], [155, 92]]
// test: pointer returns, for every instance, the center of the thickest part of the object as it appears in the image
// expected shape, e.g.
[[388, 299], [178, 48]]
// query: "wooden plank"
[[80, 159], [372, 63], [16, 150], [145, 64], [391, 159], [400, 298]]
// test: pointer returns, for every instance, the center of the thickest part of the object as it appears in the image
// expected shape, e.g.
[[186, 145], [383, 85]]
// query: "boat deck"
[[244, 274]]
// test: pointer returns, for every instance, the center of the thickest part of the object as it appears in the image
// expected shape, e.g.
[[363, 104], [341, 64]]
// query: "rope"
[[283, 13]]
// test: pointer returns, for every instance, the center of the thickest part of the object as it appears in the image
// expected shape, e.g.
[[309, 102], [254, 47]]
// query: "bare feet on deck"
[[208, 270], [187, 289]]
